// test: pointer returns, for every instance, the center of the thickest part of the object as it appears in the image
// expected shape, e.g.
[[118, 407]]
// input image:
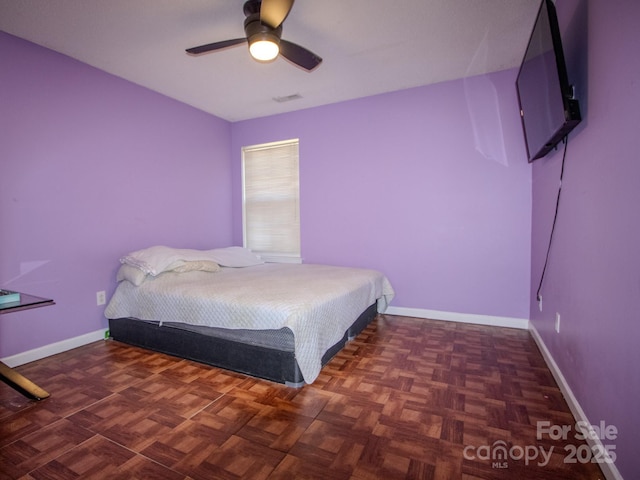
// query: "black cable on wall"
[[555, 218]]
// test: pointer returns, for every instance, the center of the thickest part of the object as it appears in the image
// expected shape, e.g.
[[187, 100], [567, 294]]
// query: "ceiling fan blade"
[[215, 46], [273, 12], [299, 55]]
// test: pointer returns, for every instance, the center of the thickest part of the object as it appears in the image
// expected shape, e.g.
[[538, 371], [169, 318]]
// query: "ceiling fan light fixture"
[[264, 48], [263, 31]]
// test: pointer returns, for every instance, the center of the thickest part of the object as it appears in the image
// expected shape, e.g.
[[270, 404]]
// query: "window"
[[271, 206]]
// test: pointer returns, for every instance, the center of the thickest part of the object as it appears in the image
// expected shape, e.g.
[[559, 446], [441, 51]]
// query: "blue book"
[[7, 296]]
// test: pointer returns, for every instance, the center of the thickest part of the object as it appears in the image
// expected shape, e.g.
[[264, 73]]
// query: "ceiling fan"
[[263, 29]]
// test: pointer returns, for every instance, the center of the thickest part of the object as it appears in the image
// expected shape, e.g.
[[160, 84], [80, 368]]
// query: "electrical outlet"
[[557, 322], [101, 297]]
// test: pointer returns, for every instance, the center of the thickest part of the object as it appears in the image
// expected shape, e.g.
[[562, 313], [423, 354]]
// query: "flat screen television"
[[548, 108]]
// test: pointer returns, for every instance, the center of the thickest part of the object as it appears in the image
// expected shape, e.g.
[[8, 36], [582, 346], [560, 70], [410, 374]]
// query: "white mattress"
[[317, 302]]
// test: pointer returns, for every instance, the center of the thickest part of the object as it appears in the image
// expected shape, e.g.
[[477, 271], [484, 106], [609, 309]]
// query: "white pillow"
[[157, 259], [153, 260], [199, 265], [235, 257], [137, 277], [132, 274]]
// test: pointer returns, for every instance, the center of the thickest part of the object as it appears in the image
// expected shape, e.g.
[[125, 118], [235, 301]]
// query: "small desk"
[[9, 375]]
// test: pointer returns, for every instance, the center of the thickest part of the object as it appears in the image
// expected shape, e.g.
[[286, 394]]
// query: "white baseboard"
[[53, 348], [521, 323], [609, 469]]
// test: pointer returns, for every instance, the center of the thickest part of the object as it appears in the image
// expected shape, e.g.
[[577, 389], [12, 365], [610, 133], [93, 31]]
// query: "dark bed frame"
[[258, 356]]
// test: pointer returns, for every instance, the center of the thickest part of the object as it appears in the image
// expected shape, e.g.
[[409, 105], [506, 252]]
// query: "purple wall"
[[92, 167], [429, 185], [593, 278]]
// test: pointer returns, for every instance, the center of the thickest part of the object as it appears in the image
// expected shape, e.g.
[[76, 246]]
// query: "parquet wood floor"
[[409, 398]]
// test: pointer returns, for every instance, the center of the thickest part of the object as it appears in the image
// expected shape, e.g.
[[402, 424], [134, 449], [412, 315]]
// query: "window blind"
[[271, 212]]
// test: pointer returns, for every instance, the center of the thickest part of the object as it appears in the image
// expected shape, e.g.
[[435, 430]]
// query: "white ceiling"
[[368, 46]]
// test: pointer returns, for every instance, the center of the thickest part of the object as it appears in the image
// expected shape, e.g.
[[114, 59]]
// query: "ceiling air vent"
[[287, 98]]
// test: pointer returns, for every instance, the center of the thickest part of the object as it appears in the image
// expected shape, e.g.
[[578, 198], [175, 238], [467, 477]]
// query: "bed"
[[228, 308]]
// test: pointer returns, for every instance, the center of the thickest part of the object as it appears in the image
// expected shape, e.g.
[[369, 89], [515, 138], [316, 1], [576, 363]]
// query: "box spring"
[[267, 354]]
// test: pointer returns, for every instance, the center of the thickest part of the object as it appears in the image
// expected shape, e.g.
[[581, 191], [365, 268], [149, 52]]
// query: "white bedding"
[[317, 302]]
